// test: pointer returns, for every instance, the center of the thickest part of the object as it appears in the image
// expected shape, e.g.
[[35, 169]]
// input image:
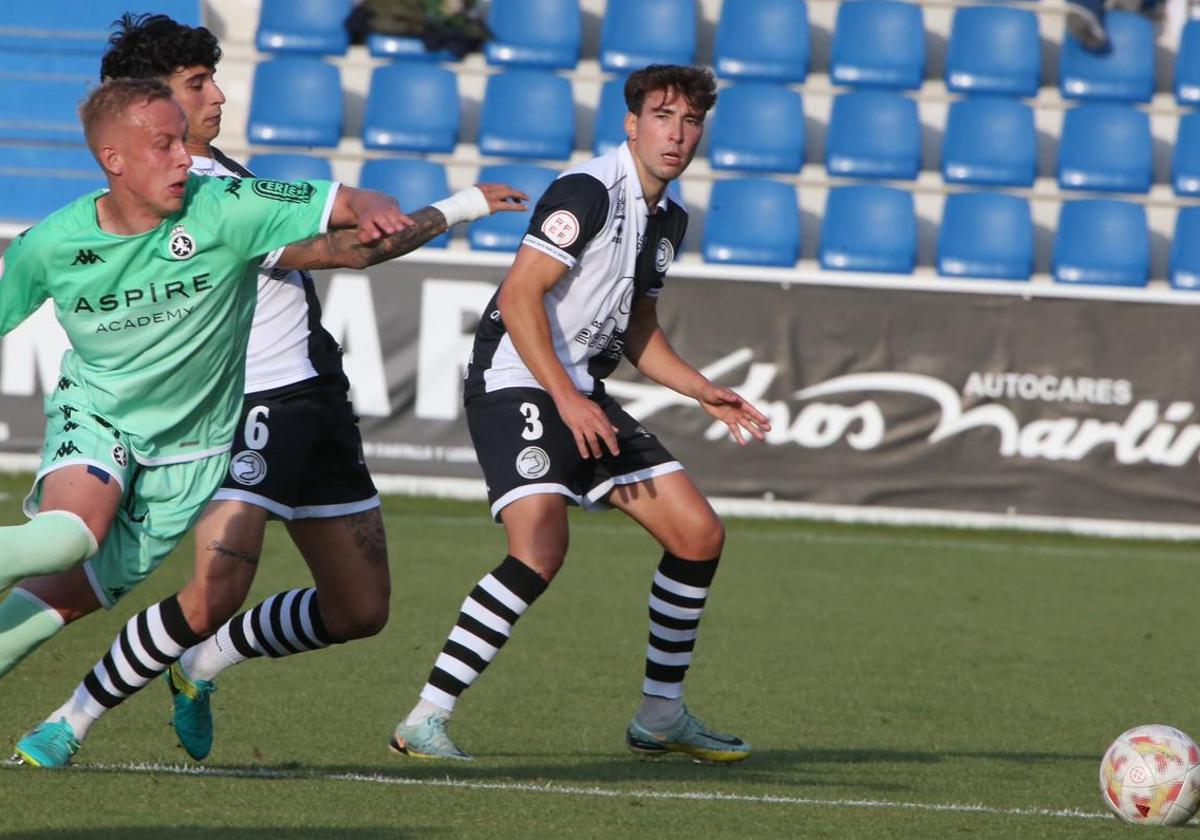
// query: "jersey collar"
[[203, 165]]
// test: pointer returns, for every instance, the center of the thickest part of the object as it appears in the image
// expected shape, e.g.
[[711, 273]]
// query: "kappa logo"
[[247, 468], [70, 426], [299, 192], [120, 456], [68, 448], [533, 462], [67, 411], [664, 255], [87, 256], [181, 244], [233, 186], [561, 227], [64, 383]]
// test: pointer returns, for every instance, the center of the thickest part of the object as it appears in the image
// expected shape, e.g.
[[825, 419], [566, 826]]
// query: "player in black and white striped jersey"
[[581, 294]]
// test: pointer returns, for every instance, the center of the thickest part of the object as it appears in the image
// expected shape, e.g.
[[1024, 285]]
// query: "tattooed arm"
[[342, 248]]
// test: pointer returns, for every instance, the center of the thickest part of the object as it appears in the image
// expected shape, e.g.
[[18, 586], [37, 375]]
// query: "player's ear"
[[631, 125], [111, 159]]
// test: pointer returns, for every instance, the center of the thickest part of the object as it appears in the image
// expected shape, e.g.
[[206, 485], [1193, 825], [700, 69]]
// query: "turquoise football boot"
[[49, 744], [192, 715], [427, 738], [689, 736]]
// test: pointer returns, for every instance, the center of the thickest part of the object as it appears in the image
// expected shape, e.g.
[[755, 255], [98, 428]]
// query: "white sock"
[[80, 712], [658, 713], [212, 656], [424, 709]]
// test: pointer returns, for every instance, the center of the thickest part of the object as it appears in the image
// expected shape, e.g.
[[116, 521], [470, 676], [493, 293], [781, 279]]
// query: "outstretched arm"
[[345, 248], [647, 347]]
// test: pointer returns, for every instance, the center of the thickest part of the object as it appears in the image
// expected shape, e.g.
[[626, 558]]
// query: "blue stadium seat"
[[77, 25], [504, 231], [989, 140], [878, 43], [764, 40], [610, 116], [1101, 241], [873, 134], [296, 101], [42, 109], [752, 221], [29, 64], [758, 126], [1105, 146], [412, 106], [1125, 73], [986, 235], [869, 228], [290, 167], [404, 47], [527, 113], [1187, 65], [414, 182], [534, 33], [1185, 249], [994, 49], [1185, 162], [640, 32], [315, 27], [37, 180]]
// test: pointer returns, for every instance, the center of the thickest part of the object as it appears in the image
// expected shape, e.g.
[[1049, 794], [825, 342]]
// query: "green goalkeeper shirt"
[[158, 321]]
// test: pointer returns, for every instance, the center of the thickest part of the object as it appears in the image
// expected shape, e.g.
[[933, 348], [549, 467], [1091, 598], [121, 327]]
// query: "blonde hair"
[[113, 98]]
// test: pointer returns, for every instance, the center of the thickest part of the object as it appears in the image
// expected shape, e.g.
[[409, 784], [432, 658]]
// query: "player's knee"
[[367, 619], [704, 538]]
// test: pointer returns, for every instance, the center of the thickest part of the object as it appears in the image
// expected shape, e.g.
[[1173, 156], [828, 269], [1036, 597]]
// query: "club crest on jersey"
[[561, 227], [247, 468], [120, 456], [533, 462], [181, 244], [664, 255]]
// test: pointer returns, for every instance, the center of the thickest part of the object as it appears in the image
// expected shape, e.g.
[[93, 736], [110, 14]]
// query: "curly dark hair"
[[695, 84], [150, 46]]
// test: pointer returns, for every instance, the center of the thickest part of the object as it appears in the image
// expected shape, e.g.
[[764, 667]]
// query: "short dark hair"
[[150, 46], [113, 98], [695, 84]]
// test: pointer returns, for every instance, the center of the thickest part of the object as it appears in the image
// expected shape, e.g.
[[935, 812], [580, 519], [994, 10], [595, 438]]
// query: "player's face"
[[664, 136], [197, 93], [150, 157]]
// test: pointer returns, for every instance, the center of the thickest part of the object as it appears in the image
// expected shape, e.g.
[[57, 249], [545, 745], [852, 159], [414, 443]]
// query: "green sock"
[[25, 622], [53, 541]]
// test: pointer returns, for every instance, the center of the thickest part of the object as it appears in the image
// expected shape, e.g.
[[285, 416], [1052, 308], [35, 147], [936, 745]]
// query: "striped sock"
[[484, 624], [146, 646], [286, 623], [676, 604]]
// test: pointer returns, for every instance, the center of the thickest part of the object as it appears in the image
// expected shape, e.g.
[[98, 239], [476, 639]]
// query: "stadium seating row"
[[865, 228], [880, 43]]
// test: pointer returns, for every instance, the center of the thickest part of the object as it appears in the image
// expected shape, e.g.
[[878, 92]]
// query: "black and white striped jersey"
[[287, 342], [594, 219]]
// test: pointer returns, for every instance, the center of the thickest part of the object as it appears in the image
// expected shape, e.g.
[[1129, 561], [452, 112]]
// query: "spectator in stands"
[[454, 25], [1085, 19]]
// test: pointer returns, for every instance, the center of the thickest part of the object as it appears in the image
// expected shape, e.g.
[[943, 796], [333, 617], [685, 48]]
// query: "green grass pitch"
[[895, 683]]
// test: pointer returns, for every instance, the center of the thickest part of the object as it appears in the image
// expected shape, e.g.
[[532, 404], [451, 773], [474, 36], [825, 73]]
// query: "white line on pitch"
[[575, 790], [750, 534]]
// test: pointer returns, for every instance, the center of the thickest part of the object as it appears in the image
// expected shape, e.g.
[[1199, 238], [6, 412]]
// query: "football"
[[1150, 775]]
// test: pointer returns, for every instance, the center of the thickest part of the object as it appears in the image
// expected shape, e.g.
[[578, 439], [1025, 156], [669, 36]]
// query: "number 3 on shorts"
[[533, 425], [255, 431]]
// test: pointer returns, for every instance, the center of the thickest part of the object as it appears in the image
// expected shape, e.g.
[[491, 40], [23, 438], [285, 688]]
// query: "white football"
[[1150, 775]]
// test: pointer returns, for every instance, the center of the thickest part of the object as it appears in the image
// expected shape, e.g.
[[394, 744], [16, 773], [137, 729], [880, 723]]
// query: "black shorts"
[[525, 448], [298, 453]]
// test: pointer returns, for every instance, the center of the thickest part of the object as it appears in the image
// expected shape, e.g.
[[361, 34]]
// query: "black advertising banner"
[[917, 396]]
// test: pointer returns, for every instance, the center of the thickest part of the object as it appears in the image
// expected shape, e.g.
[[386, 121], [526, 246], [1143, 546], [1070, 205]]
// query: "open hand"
[[502, 198], [736, 413]]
